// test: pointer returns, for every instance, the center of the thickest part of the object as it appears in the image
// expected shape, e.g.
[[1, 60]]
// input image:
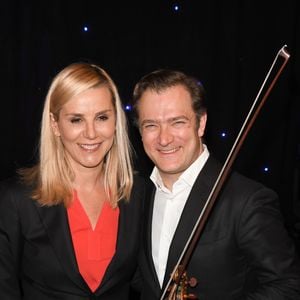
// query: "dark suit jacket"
[[37, 255], [244, 251]]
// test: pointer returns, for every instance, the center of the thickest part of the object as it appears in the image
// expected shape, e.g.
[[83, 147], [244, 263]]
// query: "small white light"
[[223, 134], [85, 28], [128, 107], [266, 169]]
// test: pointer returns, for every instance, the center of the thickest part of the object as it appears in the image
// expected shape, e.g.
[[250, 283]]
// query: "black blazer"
[[37, 260], [244, 251]]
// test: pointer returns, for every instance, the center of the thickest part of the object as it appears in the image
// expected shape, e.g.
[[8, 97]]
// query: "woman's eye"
[[75, 120], [102, 118]]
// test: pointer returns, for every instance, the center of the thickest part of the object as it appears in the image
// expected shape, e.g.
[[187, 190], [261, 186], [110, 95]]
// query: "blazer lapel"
[[112, 274], [191, 212], [56, 224], [148, 232]]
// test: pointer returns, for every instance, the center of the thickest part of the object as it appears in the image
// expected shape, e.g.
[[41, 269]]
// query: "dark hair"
[[162, 79]]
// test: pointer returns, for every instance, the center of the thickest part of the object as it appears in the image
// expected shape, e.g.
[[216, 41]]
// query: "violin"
[[177, 286]]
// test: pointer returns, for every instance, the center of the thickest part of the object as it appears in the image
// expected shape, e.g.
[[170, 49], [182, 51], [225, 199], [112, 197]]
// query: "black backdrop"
[[228, 45]]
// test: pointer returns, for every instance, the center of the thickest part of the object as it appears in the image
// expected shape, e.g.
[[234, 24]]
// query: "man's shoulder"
[[234, 177], [236, 185]]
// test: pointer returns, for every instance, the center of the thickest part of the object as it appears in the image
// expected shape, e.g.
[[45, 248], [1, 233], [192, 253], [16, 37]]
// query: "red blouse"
[[94, 249]]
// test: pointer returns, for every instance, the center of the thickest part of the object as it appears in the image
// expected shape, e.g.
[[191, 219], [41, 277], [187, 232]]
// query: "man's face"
[[170, 131]]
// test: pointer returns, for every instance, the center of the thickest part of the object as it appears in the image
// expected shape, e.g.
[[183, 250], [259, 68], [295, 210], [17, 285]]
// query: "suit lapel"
[[56, 224], [148, 264], [191, 212], [148, 232]]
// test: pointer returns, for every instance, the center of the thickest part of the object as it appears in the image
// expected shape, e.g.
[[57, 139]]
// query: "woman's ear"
[[54, 125]]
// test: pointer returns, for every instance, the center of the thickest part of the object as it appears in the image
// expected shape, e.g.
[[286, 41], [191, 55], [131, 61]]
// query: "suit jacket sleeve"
[[10, 246], [269, 249]]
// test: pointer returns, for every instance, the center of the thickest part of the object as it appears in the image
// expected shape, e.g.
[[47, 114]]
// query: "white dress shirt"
[[167, 209]]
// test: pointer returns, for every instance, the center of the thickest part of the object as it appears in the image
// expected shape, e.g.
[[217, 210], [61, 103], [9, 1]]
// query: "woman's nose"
[[90, 131]]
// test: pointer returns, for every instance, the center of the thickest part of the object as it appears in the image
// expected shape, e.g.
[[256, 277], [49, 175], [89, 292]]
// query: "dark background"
[[228, 45]]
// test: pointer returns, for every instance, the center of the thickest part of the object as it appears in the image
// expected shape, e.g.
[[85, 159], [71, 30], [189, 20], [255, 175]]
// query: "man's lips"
[[169, 150]]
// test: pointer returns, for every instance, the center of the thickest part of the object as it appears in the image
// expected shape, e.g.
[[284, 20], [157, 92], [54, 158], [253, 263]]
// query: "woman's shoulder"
[[138, 190], [14, 187]]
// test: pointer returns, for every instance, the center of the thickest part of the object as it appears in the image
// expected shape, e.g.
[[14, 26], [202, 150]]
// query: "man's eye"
[[149, 126], [179, 123]]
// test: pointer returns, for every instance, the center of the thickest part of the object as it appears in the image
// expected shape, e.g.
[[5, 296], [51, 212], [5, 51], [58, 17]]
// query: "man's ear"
[[202, 125], [54, 125]]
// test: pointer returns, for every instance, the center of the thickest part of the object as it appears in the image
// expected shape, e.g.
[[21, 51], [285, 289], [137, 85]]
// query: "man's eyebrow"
[[170, 120], [178, 118], [149, 121]]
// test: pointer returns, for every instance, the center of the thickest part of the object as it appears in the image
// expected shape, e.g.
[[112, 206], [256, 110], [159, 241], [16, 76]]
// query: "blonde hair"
[[52, 177]]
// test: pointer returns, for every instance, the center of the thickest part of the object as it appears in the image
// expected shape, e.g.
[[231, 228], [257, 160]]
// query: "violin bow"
[[169, 292]]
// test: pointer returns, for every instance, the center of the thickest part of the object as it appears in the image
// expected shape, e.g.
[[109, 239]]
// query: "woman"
[[69, 227]]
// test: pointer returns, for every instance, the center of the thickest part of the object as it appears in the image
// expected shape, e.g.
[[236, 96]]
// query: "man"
[[244, 251]]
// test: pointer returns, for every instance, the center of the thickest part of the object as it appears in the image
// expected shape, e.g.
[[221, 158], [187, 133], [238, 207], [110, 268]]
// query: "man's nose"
[[165, 135]]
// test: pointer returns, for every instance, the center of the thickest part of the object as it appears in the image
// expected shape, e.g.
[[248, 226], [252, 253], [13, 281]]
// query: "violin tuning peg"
[[193, 282], [190, 296]]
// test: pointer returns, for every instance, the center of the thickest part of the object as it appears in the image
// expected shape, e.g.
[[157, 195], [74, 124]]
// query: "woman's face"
[[86, 127]]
